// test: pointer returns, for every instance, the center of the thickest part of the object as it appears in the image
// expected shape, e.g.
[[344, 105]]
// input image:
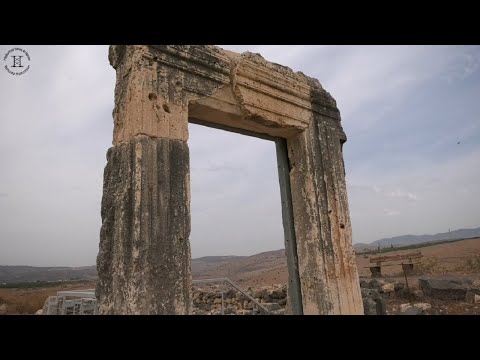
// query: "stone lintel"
[[159, 87]]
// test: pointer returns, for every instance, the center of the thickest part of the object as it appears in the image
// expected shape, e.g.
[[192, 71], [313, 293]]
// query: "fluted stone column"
[[144, 258], [327, 268]]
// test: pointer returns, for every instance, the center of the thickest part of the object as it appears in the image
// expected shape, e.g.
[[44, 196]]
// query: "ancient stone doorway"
[[144, 258]]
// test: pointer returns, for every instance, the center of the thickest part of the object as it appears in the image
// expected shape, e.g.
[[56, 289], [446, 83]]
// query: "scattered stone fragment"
[[388, 288], [442, 289]]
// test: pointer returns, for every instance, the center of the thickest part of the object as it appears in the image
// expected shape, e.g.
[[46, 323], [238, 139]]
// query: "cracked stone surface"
[[144, 258]]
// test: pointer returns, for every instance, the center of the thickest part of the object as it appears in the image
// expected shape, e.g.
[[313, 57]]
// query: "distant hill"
[[205, 263], [405, 240], [234, 267], [209, 266], [9, 274], [267, 267]]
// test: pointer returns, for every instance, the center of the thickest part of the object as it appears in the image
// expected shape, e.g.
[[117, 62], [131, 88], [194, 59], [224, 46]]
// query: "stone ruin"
[[144, 261]]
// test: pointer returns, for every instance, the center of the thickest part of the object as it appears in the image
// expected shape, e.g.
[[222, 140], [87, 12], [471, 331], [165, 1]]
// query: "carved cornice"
[[242, 91]]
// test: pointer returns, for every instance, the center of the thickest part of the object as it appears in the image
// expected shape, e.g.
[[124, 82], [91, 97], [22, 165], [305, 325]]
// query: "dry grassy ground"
[[460, 257], [28, 301]]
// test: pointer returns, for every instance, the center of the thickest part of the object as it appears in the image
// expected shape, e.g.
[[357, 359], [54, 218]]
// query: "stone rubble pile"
[[208, 300], [451, 289], [376, 291], [413, 309]]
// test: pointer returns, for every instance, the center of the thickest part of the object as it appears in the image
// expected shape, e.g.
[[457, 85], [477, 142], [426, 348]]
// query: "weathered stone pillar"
[[144, 258], [327, 268]]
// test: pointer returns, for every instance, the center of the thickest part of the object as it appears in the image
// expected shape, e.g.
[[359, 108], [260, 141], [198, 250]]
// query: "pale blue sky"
[[411, 114]]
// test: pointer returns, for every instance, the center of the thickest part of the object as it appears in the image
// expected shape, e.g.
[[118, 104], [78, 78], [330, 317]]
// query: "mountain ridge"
[[405, 240]]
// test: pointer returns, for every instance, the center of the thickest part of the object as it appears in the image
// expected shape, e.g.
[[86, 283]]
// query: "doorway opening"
[[238, 229]]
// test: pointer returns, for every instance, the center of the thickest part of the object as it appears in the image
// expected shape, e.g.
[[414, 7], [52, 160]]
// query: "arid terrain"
[[458, 259], [29, 300]]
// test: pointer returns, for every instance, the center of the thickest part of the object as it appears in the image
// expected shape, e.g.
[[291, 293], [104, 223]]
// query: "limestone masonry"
[[144, 258]]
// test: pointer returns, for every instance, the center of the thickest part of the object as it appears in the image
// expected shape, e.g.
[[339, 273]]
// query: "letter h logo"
[[17, 61]]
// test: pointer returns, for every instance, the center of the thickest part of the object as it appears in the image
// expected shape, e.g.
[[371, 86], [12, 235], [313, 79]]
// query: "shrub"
[[428, 266], [470, 265]]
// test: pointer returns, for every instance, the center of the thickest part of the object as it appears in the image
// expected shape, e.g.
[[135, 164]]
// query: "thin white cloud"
[[402, 194], [391, 212]]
